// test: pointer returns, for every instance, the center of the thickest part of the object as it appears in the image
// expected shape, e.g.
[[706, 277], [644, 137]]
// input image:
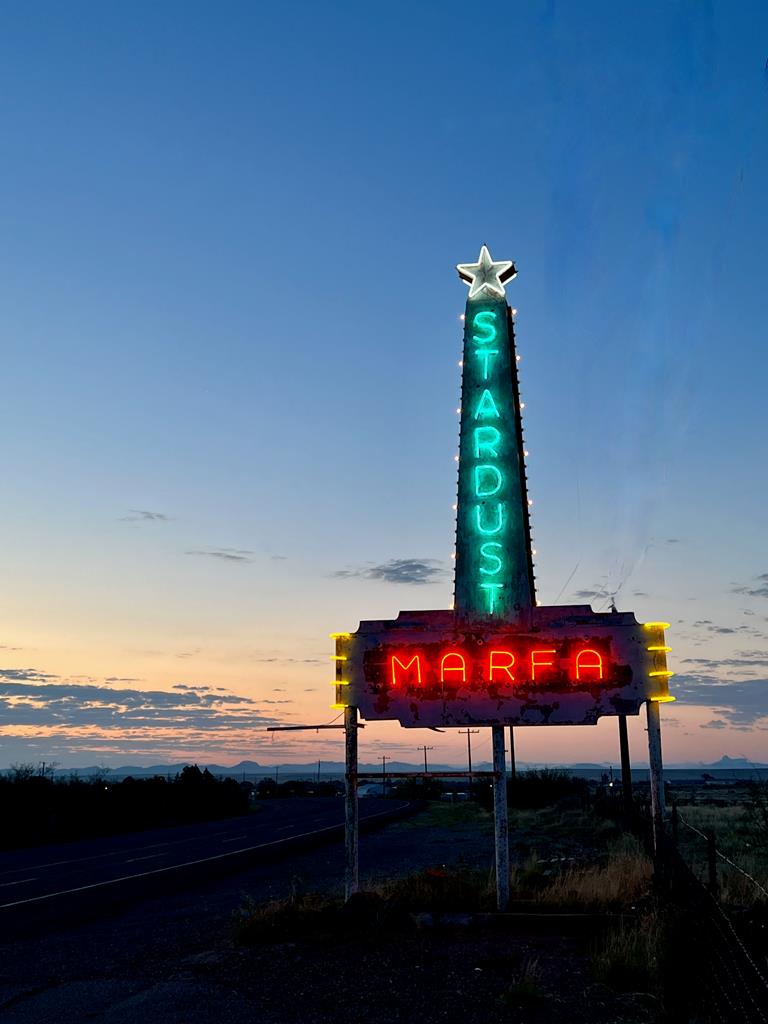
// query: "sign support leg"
[[500, 819], [626, 770], [512, 764], [351, 872], [657, 776]]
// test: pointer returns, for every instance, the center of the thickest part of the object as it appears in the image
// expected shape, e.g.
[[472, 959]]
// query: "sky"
[[229, 324]]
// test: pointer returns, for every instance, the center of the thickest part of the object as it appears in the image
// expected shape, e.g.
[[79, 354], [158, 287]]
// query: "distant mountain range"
[[334, 768]]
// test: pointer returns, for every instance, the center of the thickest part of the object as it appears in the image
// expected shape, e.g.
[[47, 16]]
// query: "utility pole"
[[425, 749], [384, 759], [469, 732], [318, 771], [277, 773]]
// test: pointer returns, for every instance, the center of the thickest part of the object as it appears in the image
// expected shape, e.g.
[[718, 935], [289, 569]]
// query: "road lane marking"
[[148, 856], [186, 864], [21, 881], [93, 856], [234, 839]]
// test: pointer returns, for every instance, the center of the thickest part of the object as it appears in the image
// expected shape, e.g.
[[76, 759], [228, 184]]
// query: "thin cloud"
[[716, 723], [32, 701], [757, 588], [290, 661], [225, 554], [142, 515], [418, 571], [588, 594], [740, 702]]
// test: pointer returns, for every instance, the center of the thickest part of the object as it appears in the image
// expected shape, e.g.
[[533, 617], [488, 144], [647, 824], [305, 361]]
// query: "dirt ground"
[[175, 960]]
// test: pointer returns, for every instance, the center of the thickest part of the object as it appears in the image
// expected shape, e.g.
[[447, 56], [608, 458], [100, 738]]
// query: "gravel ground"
[[174, 961]]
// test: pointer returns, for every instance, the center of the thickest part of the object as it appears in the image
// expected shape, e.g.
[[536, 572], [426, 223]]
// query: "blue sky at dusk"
[[230, 334]]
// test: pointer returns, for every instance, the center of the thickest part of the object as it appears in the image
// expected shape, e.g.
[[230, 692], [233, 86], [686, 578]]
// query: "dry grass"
[[526, 988], [439, 890], [618, 883], [627, 958], [277, 920]]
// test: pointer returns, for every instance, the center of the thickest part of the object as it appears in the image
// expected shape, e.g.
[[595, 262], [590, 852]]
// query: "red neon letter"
[[394, 660], [461, 667], [594, 664], [540, 664], [494, 665]]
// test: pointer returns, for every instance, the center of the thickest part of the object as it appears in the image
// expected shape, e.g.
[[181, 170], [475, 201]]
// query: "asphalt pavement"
[[78, 878]]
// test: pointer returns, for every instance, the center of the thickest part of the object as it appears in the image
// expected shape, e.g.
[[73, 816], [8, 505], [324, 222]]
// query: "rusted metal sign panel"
[[558, 666]]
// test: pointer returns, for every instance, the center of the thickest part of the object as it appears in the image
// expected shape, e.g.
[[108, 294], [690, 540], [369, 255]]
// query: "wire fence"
[[709, 839], [733, 970]]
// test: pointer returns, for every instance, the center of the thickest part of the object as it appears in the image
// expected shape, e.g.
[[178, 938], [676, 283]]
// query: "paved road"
[[82, 875]]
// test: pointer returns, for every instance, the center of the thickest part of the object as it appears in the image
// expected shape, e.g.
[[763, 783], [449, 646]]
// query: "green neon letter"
[[486, 438], [486, 406], [486, 552], [497, 527], [492, 589], [485, 321], [488, 480], [485, 354]]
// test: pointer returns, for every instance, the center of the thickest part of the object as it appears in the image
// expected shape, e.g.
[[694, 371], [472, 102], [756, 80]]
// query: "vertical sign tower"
[[494, 570]]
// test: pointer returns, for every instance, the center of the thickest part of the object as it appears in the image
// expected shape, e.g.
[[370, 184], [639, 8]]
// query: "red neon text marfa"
[[498, 665]]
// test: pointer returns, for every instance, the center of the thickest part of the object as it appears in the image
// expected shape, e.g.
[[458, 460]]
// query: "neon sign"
[[494, 573], [497, 657]]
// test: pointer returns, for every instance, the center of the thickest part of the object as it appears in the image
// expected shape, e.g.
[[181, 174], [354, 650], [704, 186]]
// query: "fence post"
[[712, 863]]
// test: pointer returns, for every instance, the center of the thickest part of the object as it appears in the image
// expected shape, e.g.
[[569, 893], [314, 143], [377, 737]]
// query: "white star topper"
[[485, 274]]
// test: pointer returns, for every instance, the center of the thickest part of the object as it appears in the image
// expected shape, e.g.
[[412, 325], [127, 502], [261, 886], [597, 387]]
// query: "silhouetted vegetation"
[[268, 788], [39, 809], [545, 787]]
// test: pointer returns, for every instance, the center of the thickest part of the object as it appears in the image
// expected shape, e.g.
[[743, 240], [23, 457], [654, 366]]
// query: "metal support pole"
[[469, 733], [500, 819], [626, 770], [351, 872], [657, 777], [512, 764]]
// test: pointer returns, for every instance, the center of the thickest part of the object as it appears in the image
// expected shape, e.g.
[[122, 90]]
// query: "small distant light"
[[461, 316], [526, 453], [461, 362], [454, 507], [518, 357], [533, 551], [514, 312], [522, 405], [455, 458], [530, 502], [459, 410]]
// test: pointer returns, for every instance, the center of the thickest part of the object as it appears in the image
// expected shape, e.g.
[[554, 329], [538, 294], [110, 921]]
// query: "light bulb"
[[526, 453], [514, 312], [455, 458]]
